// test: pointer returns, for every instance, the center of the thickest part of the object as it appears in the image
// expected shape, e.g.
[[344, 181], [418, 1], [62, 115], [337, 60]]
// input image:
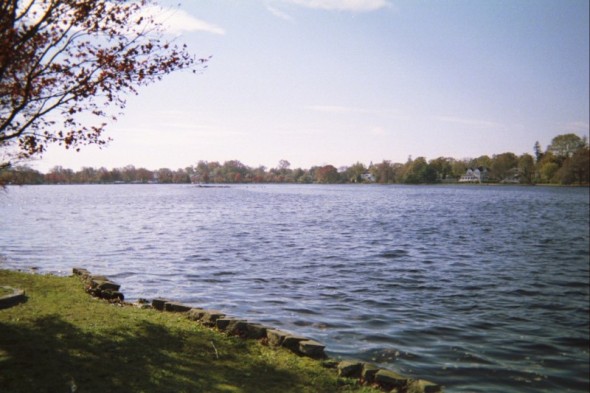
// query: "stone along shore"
[[367, 373]]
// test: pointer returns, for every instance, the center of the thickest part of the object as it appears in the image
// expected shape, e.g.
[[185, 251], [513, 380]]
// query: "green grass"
[[63, 340], [5, 291]]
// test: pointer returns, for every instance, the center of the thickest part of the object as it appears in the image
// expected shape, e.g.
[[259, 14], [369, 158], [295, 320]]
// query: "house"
[[474, 175], [368, 177]]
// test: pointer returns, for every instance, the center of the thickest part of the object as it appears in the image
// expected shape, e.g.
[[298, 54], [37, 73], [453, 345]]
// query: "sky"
[[319, 82]]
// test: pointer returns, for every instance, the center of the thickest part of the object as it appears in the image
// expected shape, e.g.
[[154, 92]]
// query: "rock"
[[350, 369], [78, 271], [176, 307], [105, 285], [368, 372], [241, 328], [330, 363], [422, 386], [98, 278], [14, 297], [93, 292], [292, 342], [142, 305], [388, 379], [195, 314], [312, 349], [276, 337], [237, 327], [254, 331], [159, 303], [223, 323], [110, 295], [210, 316]]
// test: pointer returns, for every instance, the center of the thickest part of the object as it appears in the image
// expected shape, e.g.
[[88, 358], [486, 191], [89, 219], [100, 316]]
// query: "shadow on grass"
[[52, 355]]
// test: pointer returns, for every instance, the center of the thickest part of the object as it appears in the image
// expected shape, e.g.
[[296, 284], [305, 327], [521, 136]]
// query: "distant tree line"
[[565, 161]]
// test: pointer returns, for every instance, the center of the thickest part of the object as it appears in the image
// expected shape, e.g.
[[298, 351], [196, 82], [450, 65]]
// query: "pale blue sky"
[[334, 82]]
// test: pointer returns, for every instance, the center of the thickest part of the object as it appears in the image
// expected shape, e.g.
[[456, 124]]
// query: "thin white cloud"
[[469, 122], [177, 21], [343, 5], [279, 14]]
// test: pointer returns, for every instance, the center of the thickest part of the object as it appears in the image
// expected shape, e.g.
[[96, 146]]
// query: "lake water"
[[480, 289]]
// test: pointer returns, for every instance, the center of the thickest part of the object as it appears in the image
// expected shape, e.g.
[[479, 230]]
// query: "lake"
[[478, 288]]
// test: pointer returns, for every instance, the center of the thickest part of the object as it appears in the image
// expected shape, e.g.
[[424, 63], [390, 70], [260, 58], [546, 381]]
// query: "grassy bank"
[[63, 340]]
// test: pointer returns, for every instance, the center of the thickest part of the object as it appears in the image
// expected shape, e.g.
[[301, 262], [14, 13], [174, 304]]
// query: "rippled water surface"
[[481, 289]]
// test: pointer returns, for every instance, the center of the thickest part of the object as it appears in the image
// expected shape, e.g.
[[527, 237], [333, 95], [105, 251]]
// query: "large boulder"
[[292, 342], [159, 303], [98, 278], [253, 331], [195, 314], [111, 295], [390, 380], [176, 307], [312, 349], [368, 372], [210, 316], [350, 369], [104, 285], [276, 337], [78, 271], [422, 386], [223, 323]]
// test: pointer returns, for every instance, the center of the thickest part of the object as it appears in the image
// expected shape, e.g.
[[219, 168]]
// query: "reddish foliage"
[[62, 58]]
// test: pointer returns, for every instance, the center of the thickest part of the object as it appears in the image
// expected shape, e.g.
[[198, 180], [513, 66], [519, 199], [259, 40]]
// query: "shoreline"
[[366, 373], [229, 185], [363, 377]]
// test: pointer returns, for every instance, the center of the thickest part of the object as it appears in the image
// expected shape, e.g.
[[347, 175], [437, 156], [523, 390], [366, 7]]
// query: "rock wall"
[[366, 373], [99, 286]]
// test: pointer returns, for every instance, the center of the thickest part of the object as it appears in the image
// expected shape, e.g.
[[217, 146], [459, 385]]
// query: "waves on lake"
[[480, 289]]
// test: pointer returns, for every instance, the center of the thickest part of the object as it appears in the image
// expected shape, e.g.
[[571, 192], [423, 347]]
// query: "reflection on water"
[[481, 289]]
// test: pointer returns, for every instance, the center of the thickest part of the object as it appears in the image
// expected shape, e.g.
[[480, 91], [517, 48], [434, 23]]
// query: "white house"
[[474, 175], [368, 177]]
